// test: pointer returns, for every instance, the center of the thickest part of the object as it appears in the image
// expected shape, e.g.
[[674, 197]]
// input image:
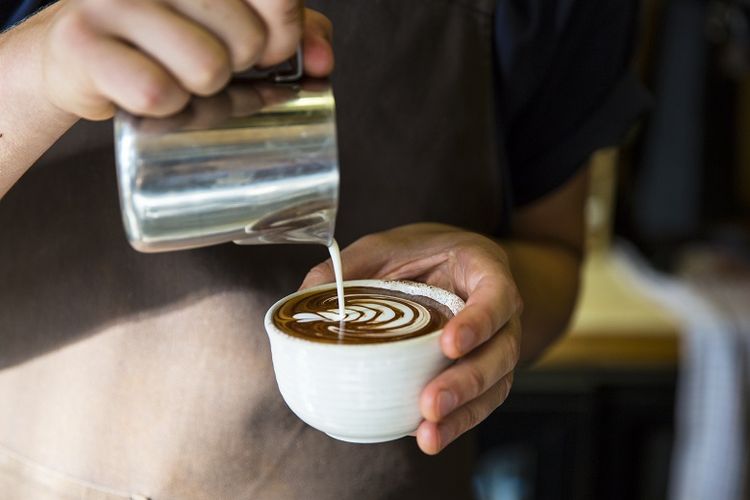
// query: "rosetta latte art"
[[371, 315]]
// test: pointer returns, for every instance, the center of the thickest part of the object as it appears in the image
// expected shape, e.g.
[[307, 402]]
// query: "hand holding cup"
[[484, 338]]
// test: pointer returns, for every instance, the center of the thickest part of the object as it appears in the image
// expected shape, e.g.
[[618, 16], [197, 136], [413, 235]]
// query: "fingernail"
[[446, 402], [466, 339]]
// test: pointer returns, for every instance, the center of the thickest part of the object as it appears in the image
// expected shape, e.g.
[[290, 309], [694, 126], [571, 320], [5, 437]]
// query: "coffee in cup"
[[371, 315], [359, 378]]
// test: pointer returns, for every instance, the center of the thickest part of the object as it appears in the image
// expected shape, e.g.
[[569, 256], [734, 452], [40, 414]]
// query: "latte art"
[[370, 315]]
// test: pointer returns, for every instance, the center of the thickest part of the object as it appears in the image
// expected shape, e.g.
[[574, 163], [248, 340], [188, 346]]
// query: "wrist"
[[29, 122], [23, 75]]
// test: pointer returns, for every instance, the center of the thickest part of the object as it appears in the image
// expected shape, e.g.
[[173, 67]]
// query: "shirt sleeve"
[[563, 85], [14, 11]]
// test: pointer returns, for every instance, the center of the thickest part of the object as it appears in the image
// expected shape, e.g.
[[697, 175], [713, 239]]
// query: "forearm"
[[29, 124], [547, 277]]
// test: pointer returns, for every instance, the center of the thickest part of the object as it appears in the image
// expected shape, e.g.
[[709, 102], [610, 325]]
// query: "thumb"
[[362, 259], [322, 273], [316, 44]]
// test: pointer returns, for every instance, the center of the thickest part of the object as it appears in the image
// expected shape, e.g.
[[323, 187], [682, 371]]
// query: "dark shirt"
[[563, 86], [563, 89], [13, 11]]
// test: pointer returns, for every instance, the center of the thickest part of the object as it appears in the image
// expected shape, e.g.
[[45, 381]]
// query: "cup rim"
[[448, 299]]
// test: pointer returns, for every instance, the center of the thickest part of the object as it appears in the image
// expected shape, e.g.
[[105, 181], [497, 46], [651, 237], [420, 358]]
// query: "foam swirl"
[[371, 315]]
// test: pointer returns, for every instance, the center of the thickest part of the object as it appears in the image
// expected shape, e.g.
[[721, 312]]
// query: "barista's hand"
[[149, 56], [484, 337]]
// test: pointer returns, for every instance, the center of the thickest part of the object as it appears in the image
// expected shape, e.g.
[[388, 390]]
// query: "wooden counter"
[[615, 327]]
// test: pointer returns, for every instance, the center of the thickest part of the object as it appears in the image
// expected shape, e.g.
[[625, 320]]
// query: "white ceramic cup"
[[361, 393]]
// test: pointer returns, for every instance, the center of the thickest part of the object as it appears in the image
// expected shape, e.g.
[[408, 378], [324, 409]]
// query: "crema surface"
[[370, 315]]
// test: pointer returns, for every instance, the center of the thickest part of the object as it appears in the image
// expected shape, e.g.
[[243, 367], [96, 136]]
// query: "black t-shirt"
[[563, 88]]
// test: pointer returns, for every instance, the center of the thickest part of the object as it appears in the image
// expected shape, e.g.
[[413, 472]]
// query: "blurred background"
[[645, 397]]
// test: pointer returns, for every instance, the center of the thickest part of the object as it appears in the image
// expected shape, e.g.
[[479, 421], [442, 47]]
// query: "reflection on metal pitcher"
[[255, 164]]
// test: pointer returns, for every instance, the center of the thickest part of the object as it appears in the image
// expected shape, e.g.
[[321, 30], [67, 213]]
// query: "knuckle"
[[210, 75], [368, 241], [70, 28], [111, 4], [315, 271], [372, 239], [472, 416], [288, 13], [286, 21], [94, 9], [513, 346], [476, 380], [247, 50], [98, 4], [88, 6], [485, 323], [152, 95], [172, 106], [462, 253], [505, 388], [279, 51], [319, 271], [505, 281], [102, 112]]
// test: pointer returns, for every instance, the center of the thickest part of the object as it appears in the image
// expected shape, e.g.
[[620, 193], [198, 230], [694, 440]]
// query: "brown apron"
[[127, 374]]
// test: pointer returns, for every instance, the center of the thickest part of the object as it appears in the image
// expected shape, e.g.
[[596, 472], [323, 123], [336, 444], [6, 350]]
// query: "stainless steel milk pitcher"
[[255, 164]]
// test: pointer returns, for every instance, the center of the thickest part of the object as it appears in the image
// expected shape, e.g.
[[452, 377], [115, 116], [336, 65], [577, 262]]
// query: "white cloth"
[[709, 457]]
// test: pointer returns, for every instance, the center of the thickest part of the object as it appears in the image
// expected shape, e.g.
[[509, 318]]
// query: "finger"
[[133, 81], [362, 259], [316, 44], [322, 273], [473, 375], [490, 304], [283, 20], [233, 22], [192, 55], [434, 437]]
